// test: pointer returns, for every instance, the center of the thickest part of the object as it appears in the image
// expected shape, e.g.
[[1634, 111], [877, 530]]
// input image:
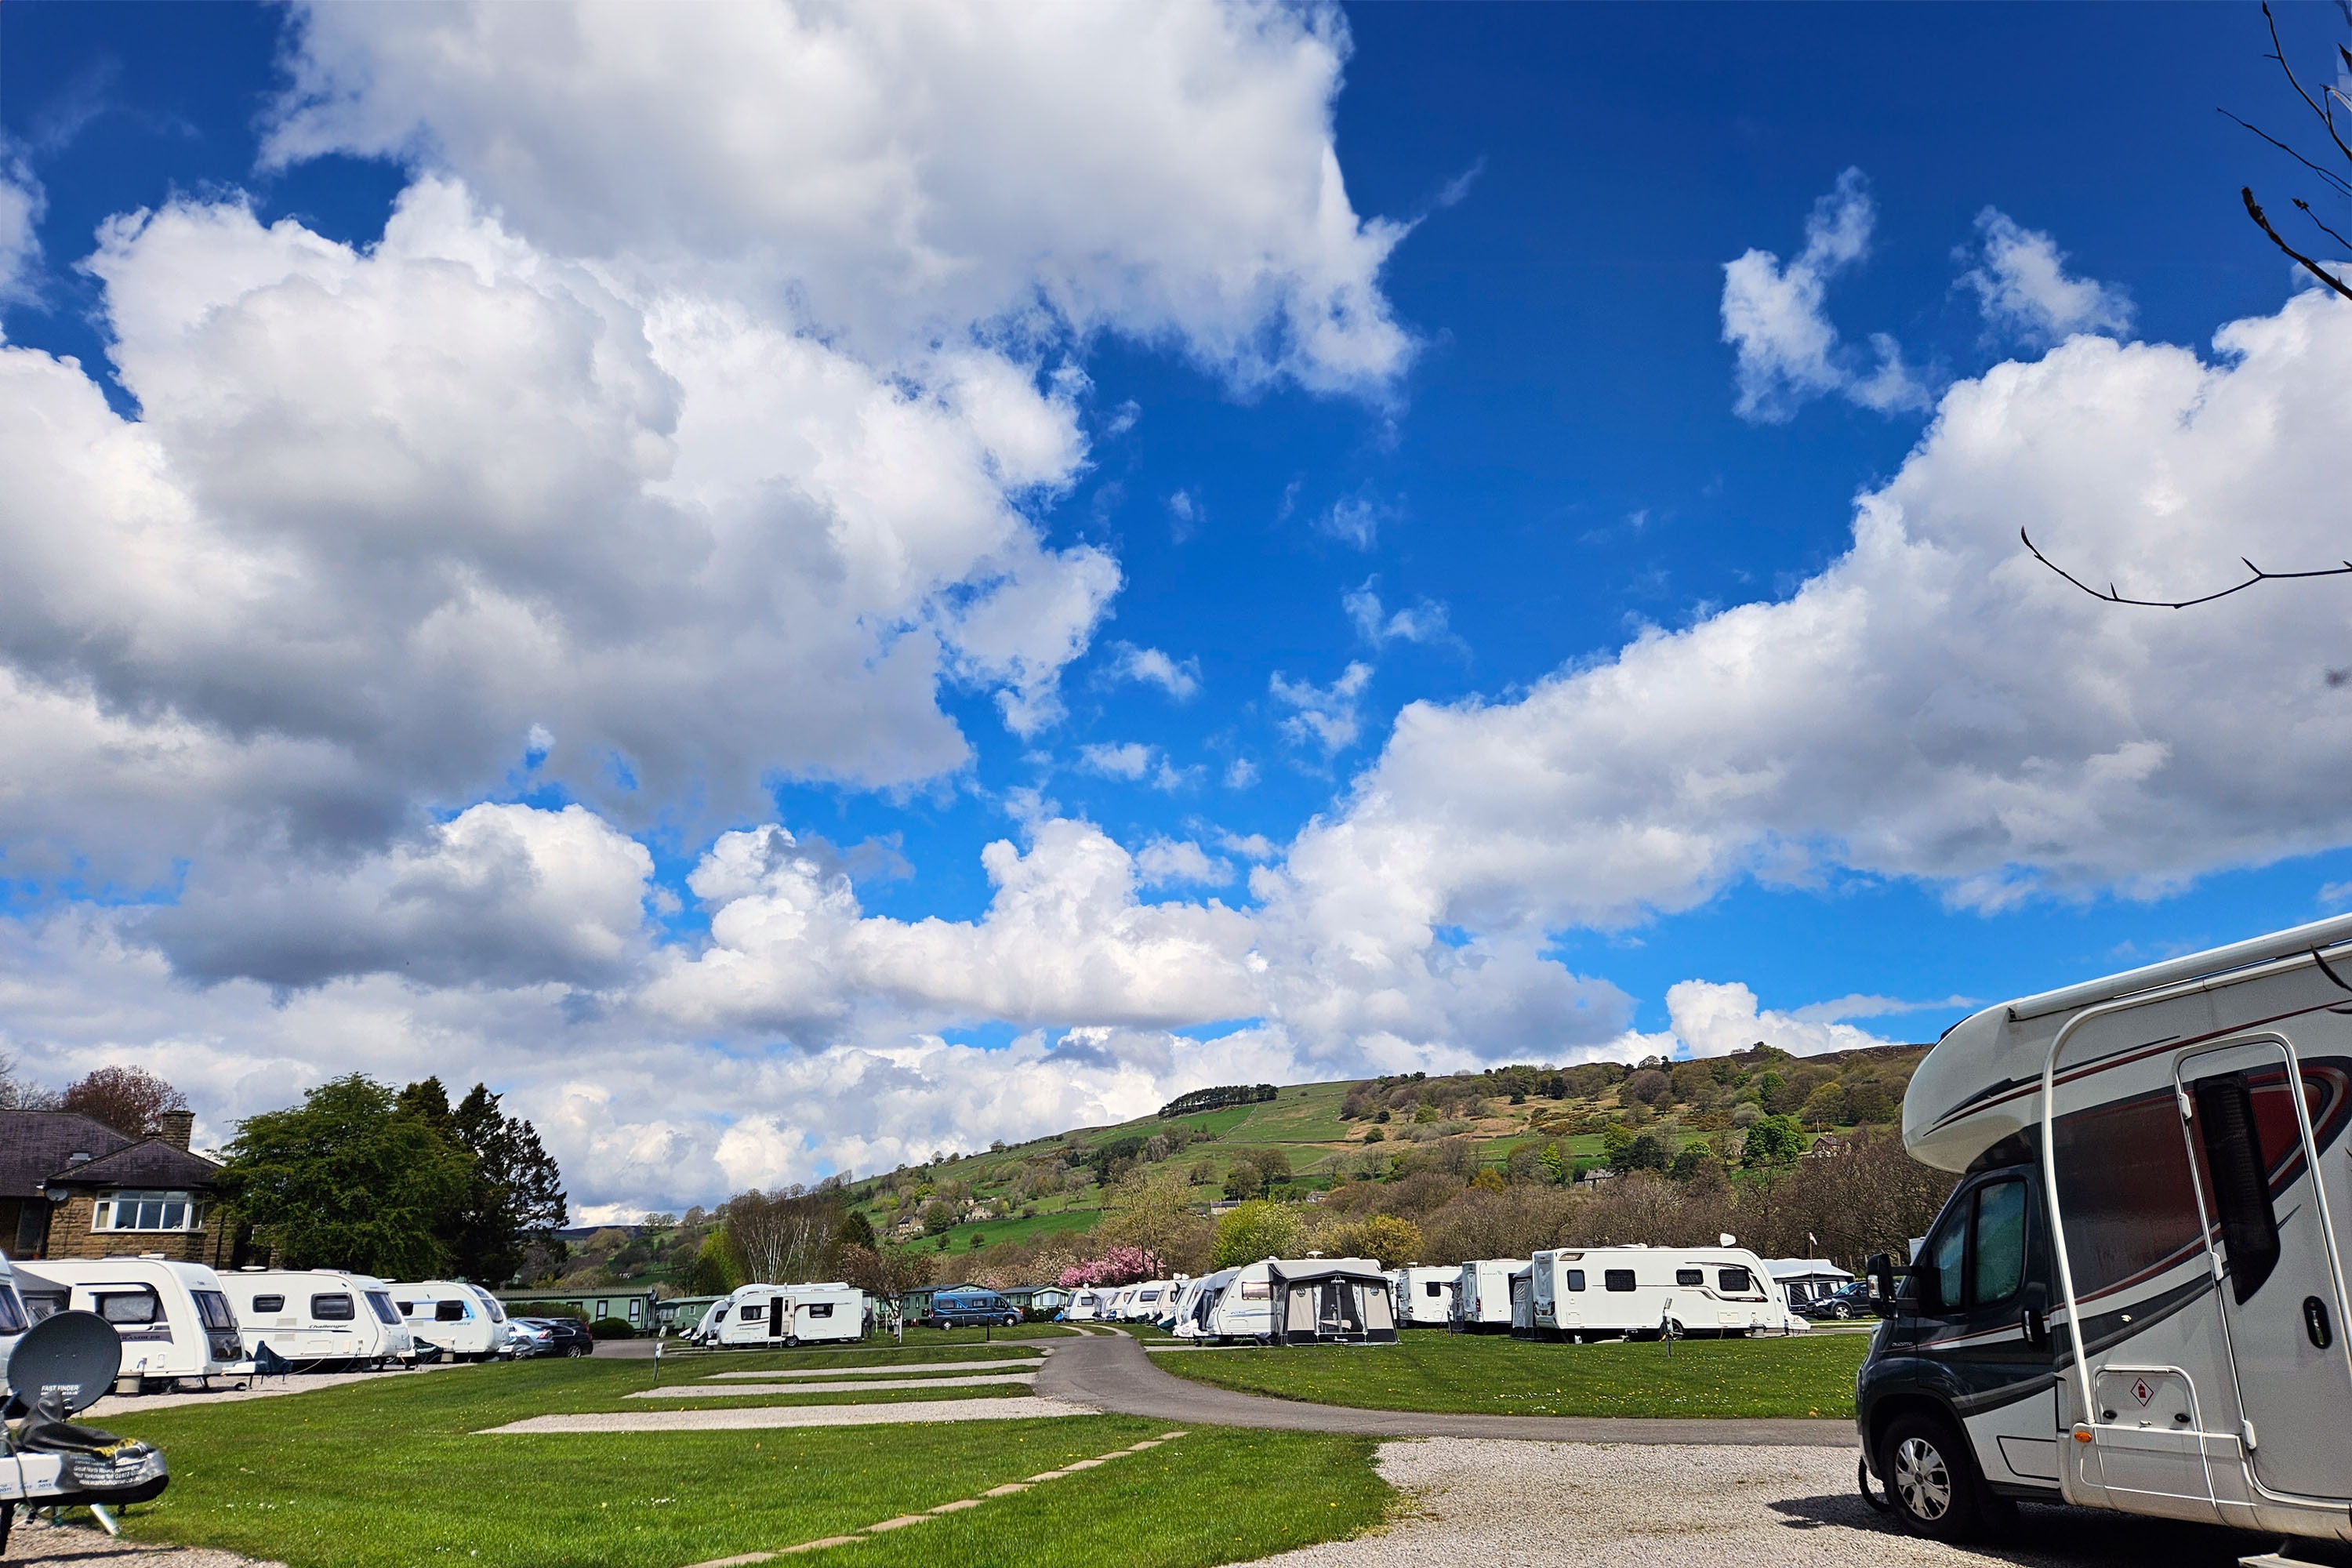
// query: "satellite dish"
[[67, 1360]]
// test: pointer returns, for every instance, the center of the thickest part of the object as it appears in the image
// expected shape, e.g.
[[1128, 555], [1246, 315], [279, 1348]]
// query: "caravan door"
[[2255, 1144], [780, 1316]]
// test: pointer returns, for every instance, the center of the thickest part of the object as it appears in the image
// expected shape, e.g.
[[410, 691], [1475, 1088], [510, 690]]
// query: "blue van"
[[970, 1308]]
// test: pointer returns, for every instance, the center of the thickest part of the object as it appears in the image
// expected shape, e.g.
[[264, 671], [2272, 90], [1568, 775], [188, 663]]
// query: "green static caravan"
[[682, 1314], [634, 1308], [915, 1306]]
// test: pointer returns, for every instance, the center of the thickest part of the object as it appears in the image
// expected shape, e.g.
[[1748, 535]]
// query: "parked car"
[[970, 1308], [565, 1336], [526, 1338], [1845, 1301]]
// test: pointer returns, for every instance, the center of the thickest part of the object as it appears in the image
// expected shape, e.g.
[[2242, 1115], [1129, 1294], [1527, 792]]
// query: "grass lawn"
[[390, 1472], [1490, 1375], [999, 1231]]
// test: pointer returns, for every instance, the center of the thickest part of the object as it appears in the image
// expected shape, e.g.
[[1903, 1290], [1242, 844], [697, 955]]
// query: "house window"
[[123, 1211]]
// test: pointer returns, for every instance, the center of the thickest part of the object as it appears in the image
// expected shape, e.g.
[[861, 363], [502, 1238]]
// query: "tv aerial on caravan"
[[64, 1364]]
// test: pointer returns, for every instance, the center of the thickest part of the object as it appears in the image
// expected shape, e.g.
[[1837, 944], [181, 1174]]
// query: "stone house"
[[73, 1187]]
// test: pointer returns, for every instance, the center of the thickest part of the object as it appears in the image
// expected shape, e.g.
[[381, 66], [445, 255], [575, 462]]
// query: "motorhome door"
[[2266, 1226]]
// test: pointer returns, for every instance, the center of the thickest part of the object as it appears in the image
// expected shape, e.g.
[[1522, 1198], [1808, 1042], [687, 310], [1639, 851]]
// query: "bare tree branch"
[[2113, 597], [2330, 175], [2323, 226], [2254, 211], [2327, 117]]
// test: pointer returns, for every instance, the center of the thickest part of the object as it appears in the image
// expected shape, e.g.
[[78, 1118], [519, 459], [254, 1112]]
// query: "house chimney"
[[175, 1126]]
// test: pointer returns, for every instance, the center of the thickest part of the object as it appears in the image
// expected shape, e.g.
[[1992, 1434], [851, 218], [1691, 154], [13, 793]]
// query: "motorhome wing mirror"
[[1881, 1270]]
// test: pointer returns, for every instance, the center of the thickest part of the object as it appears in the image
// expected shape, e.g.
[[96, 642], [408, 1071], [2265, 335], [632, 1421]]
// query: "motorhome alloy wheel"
[[1932, 1479]]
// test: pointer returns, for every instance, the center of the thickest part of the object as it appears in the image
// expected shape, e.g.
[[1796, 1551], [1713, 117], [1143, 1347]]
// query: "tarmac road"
[[1112, 1373]]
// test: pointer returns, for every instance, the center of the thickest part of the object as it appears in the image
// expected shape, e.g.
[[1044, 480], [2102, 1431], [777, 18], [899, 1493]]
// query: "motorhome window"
[[2241, 1178], [337, 1308], [12, 1312], [269, 1303], [1576, 1278], [2126, 1191], [1945, 1278], [138, 1305], [1998, 1265], [1617, 1279], [381, 1304], [40, 1304], [1257, 1290], [1735, 1282], [820, 1309], [449, 1311], [1690, 1275], [212, 1311]]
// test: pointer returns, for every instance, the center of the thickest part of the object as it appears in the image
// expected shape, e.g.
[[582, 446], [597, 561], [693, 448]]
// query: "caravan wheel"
[[1932, 1477]]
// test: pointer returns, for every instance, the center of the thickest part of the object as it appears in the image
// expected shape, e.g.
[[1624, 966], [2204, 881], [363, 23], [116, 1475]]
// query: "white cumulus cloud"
[[2022, 288]]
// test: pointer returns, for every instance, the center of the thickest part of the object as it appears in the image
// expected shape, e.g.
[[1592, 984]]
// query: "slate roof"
[[150, 1163], [38, 1146]]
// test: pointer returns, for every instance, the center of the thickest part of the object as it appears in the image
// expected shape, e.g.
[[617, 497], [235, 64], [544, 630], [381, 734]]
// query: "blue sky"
[[1542, 463]]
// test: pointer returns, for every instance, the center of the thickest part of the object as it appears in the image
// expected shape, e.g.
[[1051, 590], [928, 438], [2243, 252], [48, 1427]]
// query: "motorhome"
[[2135, 1297], [1310, 1301], [318, 1315], [1616, 1292], [173, 1319], [1424, 1296], [1482, 1295], [465, 1322], [791, 1315]]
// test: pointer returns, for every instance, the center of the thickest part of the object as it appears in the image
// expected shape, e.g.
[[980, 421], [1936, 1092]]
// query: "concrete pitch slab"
[[744, 1389], [763, 1416]]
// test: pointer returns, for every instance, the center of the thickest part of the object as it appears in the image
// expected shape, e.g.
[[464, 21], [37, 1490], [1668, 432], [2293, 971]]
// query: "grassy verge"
[[389, 1472], [1493, 1376], [702, 1363]]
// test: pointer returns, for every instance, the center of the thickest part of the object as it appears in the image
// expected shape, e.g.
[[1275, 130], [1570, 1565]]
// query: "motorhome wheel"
[[1933, 1480]]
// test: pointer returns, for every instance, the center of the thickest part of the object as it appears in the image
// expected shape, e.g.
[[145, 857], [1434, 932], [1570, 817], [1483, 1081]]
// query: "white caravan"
[[1424, 1296], [1192, 1302], [463, 1322], [1085, 1306], [791, 1315], [713, 1323], [1333, 1301], [14, 1320], [1594, 1292], [1482, 1294], [173, 1319], [2136, 1297], [317, 1314], [1151, 1301], [1522, 1306]]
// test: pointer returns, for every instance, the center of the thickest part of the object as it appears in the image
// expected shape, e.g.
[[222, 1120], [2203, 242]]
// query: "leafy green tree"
[[1244, 1181], [1557, 1165], [349, 1180], [856, 1230], [1260, 1228], [1772, 1140], [516, 1196], [1393, 1239]]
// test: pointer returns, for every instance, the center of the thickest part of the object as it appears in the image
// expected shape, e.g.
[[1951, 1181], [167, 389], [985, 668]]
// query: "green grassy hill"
[[1327, 1132]]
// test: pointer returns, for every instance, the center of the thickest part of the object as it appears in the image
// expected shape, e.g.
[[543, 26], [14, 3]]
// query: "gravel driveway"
[[1521, 1505]]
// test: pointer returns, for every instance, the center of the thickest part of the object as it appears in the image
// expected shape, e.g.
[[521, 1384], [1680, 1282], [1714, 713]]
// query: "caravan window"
[[1690, 1277], [2238, 1168], [1735, 1282], [269, 1303], [1576, 1278], [12, 1312], [40, 1304], [753, 1312], [820, 1309], [449, 1312], [335, 1309], [1617, 1279], [1257, 1290], [212, 1311], [137, 1304], [1433, 1288], [380, 1305]]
